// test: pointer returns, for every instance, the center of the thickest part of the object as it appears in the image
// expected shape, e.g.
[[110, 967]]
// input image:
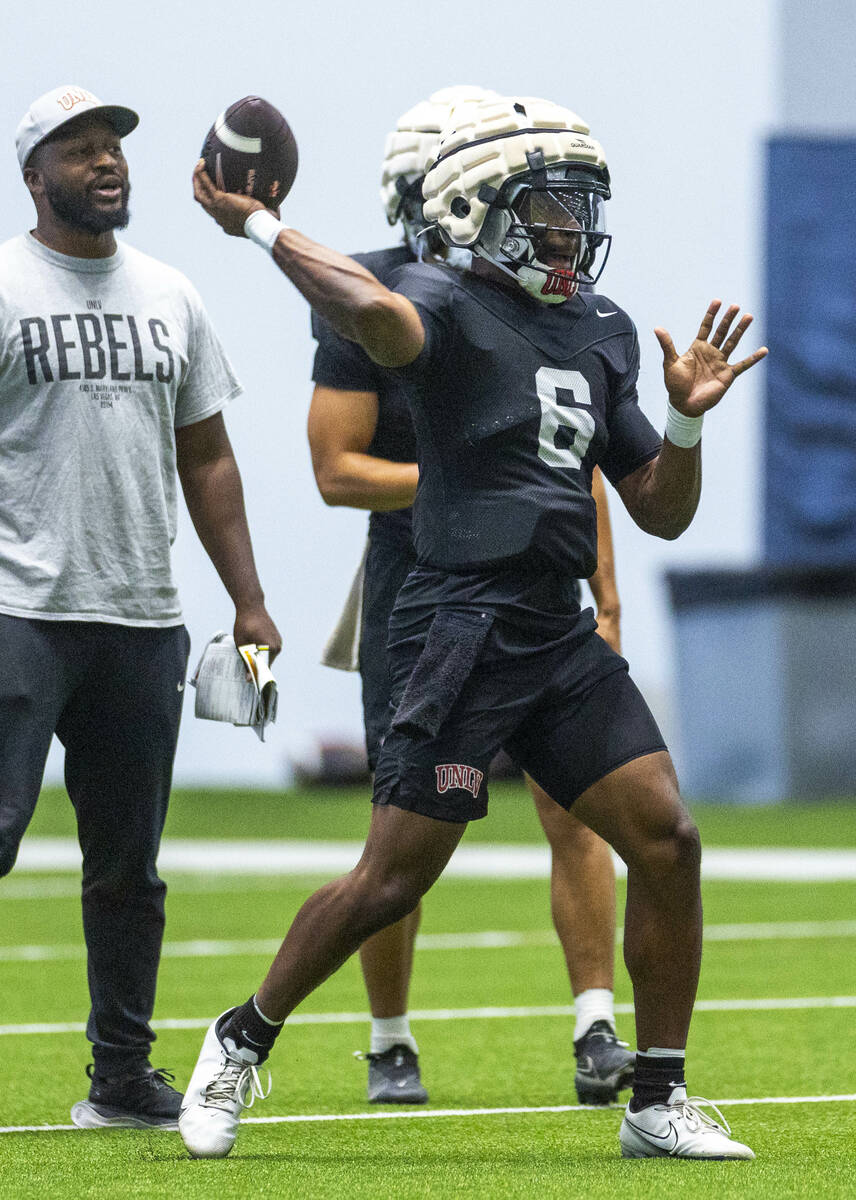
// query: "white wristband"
[[263, 228], [682, 431]]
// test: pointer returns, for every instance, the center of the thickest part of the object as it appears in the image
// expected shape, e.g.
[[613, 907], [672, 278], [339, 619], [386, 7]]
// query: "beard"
[[80, 212]]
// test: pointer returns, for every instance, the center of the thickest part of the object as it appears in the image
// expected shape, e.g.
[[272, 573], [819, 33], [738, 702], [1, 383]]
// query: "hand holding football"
[[251, 150]]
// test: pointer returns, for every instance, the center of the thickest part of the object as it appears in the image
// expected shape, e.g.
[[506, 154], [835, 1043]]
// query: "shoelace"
[[605, 1036], [696, 1119], [373, 1055], [151, 1075], [236, 1081], [163, 1075]]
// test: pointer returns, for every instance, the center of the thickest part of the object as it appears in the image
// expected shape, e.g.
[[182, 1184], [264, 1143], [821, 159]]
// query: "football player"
[[364, 456], [518, 384]]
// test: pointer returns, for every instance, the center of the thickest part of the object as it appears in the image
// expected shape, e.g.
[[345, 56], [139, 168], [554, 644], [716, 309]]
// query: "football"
[[250, 149]]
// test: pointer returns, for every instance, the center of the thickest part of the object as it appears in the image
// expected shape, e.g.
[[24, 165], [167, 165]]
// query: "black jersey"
[[514, 402], [345, 365]]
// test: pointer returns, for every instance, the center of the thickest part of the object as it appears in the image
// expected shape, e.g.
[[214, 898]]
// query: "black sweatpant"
[[113, 696]]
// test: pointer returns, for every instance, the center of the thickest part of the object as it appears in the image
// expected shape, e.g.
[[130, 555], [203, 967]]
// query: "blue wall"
[[810, 427]]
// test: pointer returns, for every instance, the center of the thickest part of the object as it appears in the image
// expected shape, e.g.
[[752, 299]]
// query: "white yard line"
[[763, 1004], [470, 860], [67, 885], [488, 939], [386, 1115]]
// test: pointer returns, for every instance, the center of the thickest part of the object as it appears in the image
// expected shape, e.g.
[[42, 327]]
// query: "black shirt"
[[514, 402]]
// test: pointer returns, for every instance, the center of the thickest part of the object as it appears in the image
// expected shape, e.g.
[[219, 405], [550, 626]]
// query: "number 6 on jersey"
[[549, 381]]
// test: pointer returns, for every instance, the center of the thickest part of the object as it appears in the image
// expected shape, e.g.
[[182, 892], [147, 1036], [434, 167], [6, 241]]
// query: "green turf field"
[[768, 1029]]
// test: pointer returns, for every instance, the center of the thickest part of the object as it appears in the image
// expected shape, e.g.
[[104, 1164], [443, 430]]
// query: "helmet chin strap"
[[453, 256]]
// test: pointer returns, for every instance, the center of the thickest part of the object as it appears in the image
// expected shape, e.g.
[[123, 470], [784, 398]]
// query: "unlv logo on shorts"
[[457, 775]]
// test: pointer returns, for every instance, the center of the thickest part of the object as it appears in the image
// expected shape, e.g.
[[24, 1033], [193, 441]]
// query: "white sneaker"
[[678, 1129], [224, 1082]]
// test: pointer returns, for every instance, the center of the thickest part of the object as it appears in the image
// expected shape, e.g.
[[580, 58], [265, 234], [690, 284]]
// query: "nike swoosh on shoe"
[[659, 1137]]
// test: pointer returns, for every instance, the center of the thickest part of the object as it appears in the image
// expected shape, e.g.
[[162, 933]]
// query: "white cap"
[[64, 104]]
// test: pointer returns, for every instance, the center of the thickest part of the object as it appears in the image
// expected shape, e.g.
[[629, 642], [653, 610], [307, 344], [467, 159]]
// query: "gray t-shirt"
[[101, 360]]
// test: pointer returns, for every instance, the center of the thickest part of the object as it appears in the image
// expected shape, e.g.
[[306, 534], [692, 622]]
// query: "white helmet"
[[509, 171], [410, 150]]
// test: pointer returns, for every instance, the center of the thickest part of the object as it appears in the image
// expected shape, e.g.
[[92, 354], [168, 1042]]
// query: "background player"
[[520, 384], [111, 377], [364, 456]]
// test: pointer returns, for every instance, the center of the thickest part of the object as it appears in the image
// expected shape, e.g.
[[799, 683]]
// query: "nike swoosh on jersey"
[[614, 313]]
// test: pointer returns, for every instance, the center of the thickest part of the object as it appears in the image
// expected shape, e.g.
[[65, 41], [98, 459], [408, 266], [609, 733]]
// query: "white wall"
[[815, 80], [681, 97]]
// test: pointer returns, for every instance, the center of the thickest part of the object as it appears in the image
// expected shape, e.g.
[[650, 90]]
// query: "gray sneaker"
[[141, 1099], [394, 1077], [604, 1065]]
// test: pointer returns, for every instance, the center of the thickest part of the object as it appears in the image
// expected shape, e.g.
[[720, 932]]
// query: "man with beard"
[[111, 379]]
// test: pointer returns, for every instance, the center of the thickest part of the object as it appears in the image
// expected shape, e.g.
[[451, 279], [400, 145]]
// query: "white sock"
[[594, 1004], [391, 1031]]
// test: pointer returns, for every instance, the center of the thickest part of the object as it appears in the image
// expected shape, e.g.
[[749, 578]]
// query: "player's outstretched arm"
[[662, 496], [212, 489], [356, 304]]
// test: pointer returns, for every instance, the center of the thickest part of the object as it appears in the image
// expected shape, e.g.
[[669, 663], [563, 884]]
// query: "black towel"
[[451, 650]]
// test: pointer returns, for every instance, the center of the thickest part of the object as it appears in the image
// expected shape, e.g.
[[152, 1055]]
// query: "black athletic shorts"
[[389, 561], [563, 707]]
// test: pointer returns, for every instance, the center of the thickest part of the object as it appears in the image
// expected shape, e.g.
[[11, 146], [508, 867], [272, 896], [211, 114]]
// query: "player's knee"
[[686, 842], [665, 840], [398, 896], [382, 901], [675, 848]]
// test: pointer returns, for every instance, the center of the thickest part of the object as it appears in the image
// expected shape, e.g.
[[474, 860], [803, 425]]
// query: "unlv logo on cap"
[[73, 96], [457, 775]]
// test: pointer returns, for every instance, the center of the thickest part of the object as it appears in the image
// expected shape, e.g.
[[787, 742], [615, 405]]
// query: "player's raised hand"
[[228, 209], [698, 379]]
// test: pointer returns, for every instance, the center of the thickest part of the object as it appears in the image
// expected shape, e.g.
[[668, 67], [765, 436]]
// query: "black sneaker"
[[142, 1099], [604, 1065], [394, 1077]]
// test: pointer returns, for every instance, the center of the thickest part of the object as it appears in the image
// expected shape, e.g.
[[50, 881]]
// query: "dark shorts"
[[388, 564], [564, 708]]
